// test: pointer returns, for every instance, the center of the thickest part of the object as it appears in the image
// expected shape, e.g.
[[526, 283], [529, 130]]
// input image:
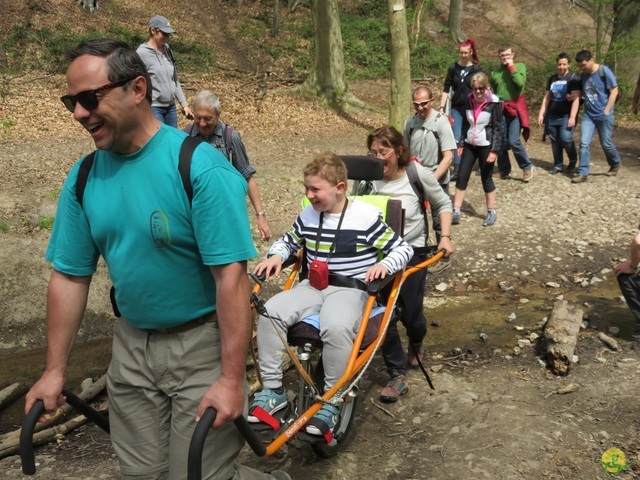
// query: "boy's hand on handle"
[[271, 266], [49, 390], [376, 272]]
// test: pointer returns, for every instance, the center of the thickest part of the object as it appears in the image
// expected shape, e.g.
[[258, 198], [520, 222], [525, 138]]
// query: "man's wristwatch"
[[261, 214]]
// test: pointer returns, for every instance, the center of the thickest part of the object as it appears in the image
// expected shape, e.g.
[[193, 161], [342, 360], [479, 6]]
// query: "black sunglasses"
[[422, 104], [88, 99]]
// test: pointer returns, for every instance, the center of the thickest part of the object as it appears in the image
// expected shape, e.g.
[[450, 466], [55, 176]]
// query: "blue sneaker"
[[266, 402], [324, 421], [455, 218], [490, 219]]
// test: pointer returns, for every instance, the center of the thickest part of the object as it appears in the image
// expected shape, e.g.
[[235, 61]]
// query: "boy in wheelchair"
[[342, 239]]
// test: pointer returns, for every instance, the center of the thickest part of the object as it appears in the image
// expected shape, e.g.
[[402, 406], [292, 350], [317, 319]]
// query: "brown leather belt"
[[196, 322]]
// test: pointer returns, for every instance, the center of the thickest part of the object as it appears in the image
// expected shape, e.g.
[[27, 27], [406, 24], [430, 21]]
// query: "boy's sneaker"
[[396, 387], [490, 219], [455, 218], [265, 403], [527, 175], [324, 421]]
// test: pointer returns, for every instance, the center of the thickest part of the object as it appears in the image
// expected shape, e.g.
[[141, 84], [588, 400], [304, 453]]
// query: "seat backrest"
[[363, 167]]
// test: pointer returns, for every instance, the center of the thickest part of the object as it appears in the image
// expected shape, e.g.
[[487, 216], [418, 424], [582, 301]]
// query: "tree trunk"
[[455, 20], [400, 101], [327, 78], [561, 336], [276, 18]]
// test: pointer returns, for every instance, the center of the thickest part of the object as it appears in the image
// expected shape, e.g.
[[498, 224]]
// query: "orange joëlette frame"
[[357, 360]]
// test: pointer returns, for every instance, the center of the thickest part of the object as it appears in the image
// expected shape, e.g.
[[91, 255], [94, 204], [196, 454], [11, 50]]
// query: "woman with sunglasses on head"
[[388, 145], [481, 140], [457, 87], [158, 59]]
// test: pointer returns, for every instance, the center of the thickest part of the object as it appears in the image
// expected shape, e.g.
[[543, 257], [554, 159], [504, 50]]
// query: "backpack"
[[418, 189], [189, 145], [226, 136], [603, 79], [434, 132]]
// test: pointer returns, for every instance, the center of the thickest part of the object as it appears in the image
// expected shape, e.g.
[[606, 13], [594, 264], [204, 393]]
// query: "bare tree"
[[455, 20], [400, 100], [275, 28]]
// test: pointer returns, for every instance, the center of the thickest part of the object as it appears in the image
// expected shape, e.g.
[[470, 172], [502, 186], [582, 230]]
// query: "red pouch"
[[319, 275]]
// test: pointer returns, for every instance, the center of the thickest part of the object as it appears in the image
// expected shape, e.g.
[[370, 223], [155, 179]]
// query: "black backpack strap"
[[228, 144], [184, 164], [83, 176], [418, 189]]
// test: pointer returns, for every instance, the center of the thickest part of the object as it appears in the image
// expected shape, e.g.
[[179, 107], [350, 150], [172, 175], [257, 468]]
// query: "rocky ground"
[[493, 413]]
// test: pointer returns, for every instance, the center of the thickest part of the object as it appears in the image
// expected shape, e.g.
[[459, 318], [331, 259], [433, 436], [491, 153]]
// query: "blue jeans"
[[604, 125], [561, 139], [511, 139], [168, 115], [458, 116]]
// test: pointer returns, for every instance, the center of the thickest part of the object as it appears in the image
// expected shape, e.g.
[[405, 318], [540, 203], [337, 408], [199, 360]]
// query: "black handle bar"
[[194, 465], [27, 456]]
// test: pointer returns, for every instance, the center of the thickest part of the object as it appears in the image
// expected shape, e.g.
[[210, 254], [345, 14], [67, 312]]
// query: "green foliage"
[[429, 57], [366, 46], [4, 226], [46, 223], [45, 49]]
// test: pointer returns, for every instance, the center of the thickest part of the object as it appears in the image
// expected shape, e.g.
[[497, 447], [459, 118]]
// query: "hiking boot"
[[268, 401], [439, 266], [613, 171], [579, 179], [490, 218], [501, 176], [324, 421], [527, 175], [455, 218], [572, 166], [396, 387]]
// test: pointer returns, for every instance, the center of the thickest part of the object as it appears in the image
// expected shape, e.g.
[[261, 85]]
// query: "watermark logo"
[[614, 461]]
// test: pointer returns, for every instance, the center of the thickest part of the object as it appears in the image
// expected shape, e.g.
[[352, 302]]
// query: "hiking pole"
[[426, 375]]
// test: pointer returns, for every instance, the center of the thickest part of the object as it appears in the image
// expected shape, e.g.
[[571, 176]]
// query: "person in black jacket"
[[457, 87], [481, 139]]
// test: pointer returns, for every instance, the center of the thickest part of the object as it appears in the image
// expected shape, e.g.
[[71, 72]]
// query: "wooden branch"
[[11, 393]]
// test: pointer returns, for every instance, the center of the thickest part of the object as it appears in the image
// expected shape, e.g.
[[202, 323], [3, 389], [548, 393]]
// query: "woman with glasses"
[[481, 140], [158, 59], [457, 87], [388, 145]]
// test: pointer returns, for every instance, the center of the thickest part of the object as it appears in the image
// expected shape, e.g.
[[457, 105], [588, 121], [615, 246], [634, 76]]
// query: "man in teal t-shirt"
[[178, 268]]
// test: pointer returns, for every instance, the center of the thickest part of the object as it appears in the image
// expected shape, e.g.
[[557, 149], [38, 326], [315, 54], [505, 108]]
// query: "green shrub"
[[4, 226], [46, 223]]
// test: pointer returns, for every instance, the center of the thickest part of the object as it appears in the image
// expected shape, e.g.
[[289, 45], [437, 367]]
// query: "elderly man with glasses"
[[430, 138]]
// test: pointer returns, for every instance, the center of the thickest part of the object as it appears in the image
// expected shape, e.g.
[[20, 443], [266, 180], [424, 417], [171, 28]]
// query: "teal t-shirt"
[[157, 247]]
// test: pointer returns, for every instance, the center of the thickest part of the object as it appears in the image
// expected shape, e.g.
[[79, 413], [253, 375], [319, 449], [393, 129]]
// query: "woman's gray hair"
[[208, 100]]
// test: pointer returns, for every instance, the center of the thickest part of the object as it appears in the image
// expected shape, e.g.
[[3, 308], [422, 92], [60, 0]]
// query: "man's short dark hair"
[[583, 56], [122, 60], [563, 55]]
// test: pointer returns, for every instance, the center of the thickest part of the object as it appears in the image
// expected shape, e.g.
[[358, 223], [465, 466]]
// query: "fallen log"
[[9, 394], [561, 336], [49, 430]]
